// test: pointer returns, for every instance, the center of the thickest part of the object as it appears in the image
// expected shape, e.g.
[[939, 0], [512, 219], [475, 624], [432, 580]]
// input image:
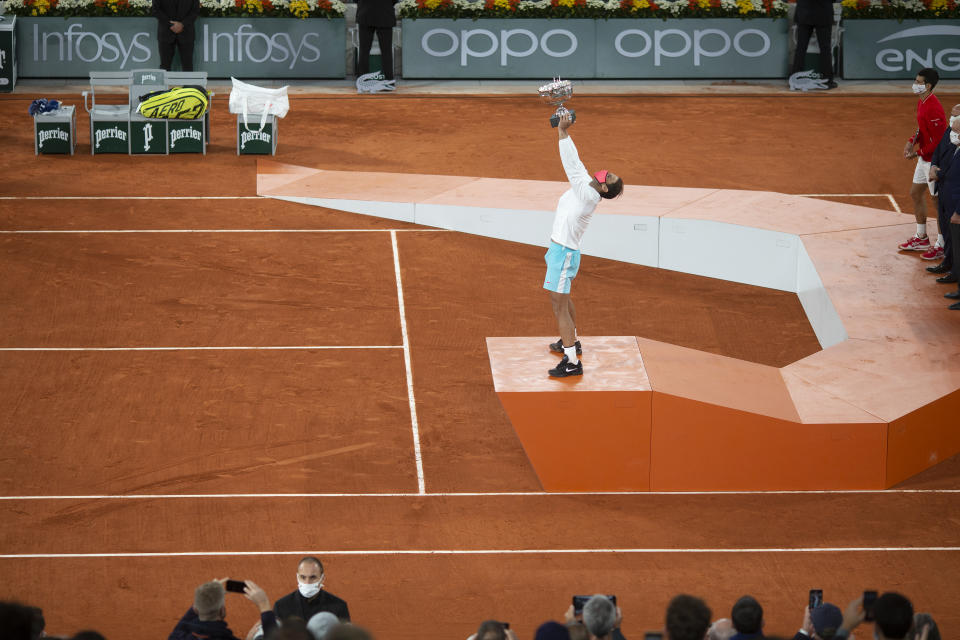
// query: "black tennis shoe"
[[557, 347], [565, 369]]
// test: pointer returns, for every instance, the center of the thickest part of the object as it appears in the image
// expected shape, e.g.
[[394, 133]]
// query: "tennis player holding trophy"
[[574, 211]]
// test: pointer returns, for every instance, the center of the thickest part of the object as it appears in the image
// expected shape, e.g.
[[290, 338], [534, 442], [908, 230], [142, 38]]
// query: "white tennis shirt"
[[576, 205]]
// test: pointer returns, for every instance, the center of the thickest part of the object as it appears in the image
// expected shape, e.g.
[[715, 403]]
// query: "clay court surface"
[[317, 401]]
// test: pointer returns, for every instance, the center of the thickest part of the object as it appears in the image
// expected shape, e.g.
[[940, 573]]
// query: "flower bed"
[[900, 9], [477, 9], [210, 8]]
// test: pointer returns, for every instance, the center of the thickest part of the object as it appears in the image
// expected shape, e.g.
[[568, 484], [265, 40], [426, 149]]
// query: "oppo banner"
[[693, 48], [890, 49], [239, 47]]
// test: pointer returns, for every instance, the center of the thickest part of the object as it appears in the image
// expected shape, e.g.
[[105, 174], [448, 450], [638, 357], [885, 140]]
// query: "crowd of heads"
[[589, 618]]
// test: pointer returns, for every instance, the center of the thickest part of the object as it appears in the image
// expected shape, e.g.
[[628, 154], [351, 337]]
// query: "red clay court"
[[198, 382]]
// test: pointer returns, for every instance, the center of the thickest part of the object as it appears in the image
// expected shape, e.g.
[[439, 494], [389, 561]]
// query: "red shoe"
[[916, 243], [935, 253]]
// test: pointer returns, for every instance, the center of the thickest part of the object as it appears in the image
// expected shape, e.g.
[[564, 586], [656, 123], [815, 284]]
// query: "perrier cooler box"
[[55, 131], [254, 141]]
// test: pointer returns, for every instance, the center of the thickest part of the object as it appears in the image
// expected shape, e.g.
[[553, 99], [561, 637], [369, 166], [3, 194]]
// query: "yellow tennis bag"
[[181, 103]]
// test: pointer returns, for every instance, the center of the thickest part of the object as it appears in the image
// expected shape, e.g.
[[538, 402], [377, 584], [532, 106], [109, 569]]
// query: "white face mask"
[[919, 88], [955, 137], [309, 590], [952, 120]]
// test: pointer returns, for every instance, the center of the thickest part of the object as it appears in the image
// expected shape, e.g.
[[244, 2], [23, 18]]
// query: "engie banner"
[[239, 47], [890, 49], [632, 48]]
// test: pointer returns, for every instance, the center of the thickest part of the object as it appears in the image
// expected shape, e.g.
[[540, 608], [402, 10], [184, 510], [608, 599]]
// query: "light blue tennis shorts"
[[562, 267]]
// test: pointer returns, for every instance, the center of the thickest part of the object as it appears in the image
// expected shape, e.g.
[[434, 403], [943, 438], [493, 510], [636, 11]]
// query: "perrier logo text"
[[113, 133], [53, 134], [180, 134], [248, 136]]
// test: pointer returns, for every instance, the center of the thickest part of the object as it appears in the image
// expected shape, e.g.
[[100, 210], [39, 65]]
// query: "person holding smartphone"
[[207, 617]]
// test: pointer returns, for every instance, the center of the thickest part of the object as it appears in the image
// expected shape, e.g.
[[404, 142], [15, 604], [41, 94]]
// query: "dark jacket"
[[942, 157], [376, 13], [814, 12], [191, 627], [185, 11], [950, 183], [295, 605]]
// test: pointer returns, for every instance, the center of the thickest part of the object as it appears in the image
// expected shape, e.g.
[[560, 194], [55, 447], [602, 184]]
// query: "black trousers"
[[943, 224], [955, 236], [385, 38], [804, 31], [170, 42]]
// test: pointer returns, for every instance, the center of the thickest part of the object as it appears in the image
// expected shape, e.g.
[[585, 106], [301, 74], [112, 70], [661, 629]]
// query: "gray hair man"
[[207, 616], [721, 629], [601, 617]]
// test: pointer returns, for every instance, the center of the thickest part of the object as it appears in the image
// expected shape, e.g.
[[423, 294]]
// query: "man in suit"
[[376, 16], [950, 197], [175, 30], [814, 15], [940, 163], [310, 598]]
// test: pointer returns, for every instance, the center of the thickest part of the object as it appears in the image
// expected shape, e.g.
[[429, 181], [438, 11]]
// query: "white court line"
[[133, 198], [315, 347], [474, 494], [467, 552], [842, 195], [896, 207], [55, 231], [421, 487]]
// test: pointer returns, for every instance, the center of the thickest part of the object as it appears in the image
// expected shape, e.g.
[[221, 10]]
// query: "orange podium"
[[582, 433]]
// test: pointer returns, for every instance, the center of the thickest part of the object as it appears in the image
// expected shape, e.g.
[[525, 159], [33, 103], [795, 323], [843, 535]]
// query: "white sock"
[[576, 337], [571, 353], [921, 230], [940, 240]]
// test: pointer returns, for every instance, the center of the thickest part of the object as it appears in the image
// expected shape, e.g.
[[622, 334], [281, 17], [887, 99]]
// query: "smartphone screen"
[[869, 599], [816, 598], [235, 586]]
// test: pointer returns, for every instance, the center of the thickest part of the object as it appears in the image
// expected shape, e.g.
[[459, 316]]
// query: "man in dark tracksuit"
[[376, 16], [175, 30], [814, 15]]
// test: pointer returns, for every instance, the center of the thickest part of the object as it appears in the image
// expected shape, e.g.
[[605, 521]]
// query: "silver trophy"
[[555, 93]]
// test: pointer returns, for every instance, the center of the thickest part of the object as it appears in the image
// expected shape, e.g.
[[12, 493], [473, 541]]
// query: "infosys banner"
[[243, 48], [694, 48], [891, 49]]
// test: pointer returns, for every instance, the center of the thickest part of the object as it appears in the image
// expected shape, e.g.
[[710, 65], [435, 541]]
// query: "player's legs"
[[918, 193], [561, 309], [573, 315]]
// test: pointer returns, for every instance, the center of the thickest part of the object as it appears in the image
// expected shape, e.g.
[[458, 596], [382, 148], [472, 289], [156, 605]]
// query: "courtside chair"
[[109, 123], [147, 135]]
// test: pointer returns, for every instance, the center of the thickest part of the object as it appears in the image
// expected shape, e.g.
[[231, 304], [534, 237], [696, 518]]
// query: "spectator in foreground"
[[207, 617], [552, 631], [893, 617], [924, 628], [577, 631], [747, 617], [17, 622], [600, 618], [319, 625], [310, 599], [721, 629], [688, 618], [820, 623], [347, 631]]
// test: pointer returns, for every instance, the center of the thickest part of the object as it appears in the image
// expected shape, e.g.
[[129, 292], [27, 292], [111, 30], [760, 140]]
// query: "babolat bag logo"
[[184, 103], [250, 136], [52, 134], [3, 59], [112, 133], [186, 133]]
